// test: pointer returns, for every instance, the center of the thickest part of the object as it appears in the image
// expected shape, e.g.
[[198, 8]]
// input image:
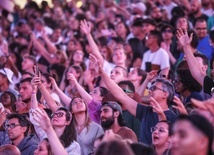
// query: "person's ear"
[[24, 129], [116, 114]]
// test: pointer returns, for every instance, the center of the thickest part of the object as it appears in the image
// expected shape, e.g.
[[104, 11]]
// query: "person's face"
[[147, 28], [56, 34], [156, 13], [186, 139], [117, 74], [133, 75], [182, 23], [25, 90], [3, 79], [20, 105], [201, 29], [179, 87], [160, 134], [150, 39], [78, 56], [15, 131], [119, 56], [156, 91], [45, 83], [42, 148], [167, 34], [136, 30], [27, 64], [95, 94], [5, 99], [107, 117], [120, 29], [59, 119], [194, 6], [78, 105]]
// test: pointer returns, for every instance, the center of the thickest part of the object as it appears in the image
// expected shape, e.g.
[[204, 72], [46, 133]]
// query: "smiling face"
[[160, 136], [107, 117]]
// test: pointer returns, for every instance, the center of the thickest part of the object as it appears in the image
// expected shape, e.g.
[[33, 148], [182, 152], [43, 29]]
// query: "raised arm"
[[118, 93], [63, 97], [43, 120], [195, 69], [86, 28], [86, 97]]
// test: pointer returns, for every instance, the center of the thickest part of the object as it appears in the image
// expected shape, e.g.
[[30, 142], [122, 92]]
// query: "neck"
[[168, 41], [30, 70], [186, 93], [17, 141], [160, 149], [136, 84], [141, 36], [115, 127], [59, 131], [164, 105], [121, 64], [198, 14], [80, 119], [154, 48]]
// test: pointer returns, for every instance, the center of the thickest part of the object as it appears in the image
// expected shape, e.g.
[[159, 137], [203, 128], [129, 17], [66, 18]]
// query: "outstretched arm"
[[86, 97], [86, 28], [128, 103], [195, 70]]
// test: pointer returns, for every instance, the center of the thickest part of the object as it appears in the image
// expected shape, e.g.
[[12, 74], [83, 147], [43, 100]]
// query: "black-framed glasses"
[[57, 114], [12, 126], [160, 130], [153, 88]]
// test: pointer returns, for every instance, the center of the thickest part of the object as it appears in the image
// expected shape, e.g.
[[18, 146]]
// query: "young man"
[[111, 118], [17, 127], [193, 135]]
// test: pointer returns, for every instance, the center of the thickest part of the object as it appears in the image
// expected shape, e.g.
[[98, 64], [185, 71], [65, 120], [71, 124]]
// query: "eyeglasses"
[[12, 126], [162, 76], [153, 88], [160, 130], [58, 114], [127, 91], [200, 28]]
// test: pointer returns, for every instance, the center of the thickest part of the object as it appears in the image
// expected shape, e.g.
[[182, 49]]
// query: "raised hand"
[[85, 27], [179, 105], [183, 37], [98, 67], [40, 116], [72, 78], [151, 75], [53, 83]]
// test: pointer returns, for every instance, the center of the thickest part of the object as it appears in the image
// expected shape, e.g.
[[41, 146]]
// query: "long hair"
[[69, 133], [87, 118]]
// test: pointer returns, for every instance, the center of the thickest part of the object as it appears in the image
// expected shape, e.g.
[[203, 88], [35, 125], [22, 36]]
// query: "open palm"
[[183, 37]]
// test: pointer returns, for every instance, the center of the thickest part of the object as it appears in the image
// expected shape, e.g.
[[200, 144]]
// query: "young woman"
[[61, 121], [161, 137], [8, 99]]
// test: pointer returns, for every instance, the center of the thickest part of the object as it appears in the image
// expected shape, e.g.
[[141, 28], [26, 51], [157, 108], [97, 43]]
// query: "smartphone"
[[36, 70], [2, 107]]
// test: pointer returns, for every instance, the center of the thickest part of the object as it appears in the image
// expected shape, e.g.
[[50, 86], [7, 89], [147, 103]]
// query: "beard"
[[107, 123], [205, 4]]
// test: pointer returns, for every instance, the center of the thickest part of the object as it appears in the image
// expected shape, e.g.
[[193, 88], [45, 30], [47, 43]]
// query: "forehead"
[[118, 69], [76, 100], [183, 125], [105, 107], [118, 51], [13, 120], [200, 23], [162, 124], [24, 84], [159, 84]]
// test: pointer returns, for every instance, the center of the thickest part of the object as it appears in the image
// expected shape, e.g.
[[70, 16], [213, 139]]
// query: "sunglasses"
[[58, 114]]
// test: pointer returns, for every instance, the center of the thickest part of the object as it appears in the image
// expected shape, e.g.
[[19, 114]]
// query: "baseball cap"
[[141, 6], [113, 105], [8, 73]]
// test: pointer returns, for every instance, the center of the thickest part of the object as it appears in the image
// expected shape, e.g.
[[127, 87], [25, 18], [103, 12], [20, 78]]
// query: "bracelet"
[[33, 92]]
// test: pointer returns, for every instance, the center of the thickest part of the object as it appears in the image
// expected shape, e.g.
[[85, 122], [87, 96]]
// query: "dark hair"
[[103, 91], [114, 148], [199, 19], [188, 81], [69, 134], [165, 26], [211, 34], [142, 73], [157, 35], [26, 80], [48, 146], [169, 126], [139, 148], [120, 120], [168, 87], [195, 41], [12, 98], [203, 57], [22, 119], [129, 84]]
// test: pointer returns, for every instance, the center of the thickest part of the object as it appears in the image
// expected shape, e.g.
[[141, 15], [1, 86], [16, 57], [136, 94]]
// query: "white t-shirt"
[[160, 57], [108, 67]]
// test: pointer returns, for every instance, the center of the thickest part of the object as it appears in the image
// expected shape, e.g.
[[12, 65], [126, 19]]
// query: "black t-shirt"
[[208, 84], [149, 119]]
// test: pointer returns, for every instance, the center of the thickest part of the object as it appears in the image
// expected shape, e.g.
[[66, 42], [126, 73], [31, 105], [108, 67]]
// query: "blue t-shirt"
[[205, 47], [149, 119]]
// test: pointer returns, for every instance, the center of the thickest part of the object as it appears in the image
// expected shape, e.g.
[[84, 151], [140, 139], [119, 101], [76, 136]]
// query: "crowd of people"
[[107, 77]]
